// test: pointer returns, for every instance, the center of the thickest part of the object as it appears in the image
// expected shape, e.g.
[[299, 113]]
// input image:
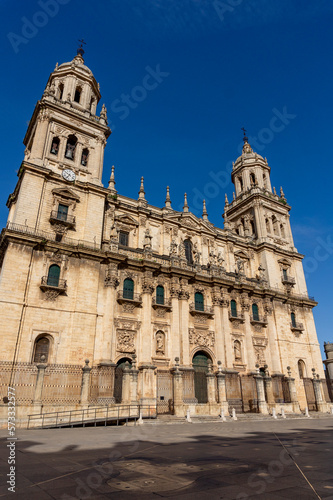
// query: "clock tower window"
[[77, 95], [70, 147], [55, 146], [84, 157]]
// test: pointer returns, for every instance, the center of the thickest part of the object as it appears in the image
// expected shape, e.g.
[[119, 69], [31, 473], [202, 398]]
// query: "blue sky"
[[223, 65]]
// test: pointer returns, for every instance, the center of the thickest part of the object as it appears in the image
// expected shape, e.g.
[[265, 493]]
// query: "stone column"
[[269, 390], [320, 403], [219, 340], [38, 144], [221, 389], [249, 350], [134, 381], [126, 384], [183, 327], [328, 348], [229, 355], [210, 377], [262, 405], [272, 337], [85, 383], [292, 391], [39, 382], [146, 350], [178, 404]]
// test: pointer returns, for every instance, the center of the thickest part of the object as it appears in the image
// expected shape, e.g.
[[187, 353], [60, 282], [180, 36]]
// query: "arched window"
[[282, 231], [60, 91], [55, 146], [233, 306], [240, 182], [84, 157], [293, 320], [252, 179], [275, 225], [41, 351], [255, 312], [264, 178], [77, 95], [128, 289], [70, 147], [301, 369], [53, 275], [188, 251], [199, 302], [159, 294], [268, 227], [253, 228], [92, 104]]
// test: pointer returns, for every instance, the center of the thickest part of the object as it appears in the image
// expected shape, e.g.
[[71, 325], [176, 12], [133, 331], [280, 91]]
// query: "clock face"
[[68, 175]]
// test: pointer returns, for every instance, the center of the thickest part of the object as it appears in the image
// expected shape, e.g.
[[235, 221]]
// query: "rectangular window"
[[285, 273], [62, 212], [123, 238]]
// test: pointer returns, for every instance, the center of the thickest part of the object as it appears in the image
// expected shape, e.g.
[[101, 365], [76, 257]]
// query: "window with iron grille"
[[62, 212], [199, 301], [42, 347]]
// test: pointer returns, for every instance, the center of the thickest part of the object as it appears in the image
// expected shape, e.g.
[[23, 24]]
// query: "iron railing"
[[127, 295], [195, 308], [288, 280], [62, 217], [92, 416], [53, 282], [297, 326]]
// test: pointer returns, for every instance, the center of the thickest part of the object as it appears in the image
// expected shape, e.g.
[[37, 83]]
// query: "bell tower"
[[256, 211], [65, 133]]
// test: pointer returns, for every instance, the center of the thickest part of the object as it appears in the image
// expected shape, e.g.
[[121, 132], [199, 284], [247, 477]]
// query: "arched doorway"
[[200, 365], [118, 381]]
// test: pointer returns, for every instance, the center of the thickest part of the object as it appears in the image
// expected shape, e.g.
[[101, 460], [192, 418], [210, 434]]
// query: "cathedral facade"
[[109, 300]]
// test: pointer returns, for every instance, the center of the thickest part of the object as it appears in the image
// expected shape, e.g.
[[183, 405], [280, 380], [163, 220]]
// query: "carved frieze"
[[201, 338], [125, 341]]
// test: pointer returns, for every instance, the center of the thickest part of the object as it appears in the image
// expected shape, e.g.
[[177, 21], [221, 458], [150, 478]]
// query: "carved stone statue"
[[196, 254], [181, 250], [237, 350], [147, 240], [220, 259], [240, 265], [160, 347], [173, 249]]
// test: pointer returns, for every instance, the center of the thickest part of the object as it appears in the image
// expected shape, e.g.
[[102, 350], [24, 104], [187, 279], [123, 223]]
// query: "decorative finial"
[[167, 199], [226, 201], [274, 190], [282, 193], [204, 211], [245, 138], [233, 196], [246, 147], [80, 50], [289, 371], [142, 190], [112, 182], [185, 207]]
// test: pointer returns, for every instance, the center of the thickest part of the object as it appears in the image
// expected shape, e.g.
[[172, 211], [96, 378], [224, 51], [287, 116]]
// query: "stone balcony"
[[166, 304], [50, 283], [288, 280], [133, 298], [206, 311], [65, 220], [297, 327]]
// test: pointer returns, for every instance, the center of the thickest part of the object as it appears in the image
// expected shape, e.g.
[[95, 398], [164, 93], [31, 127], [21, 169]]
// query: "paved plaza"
[[268, 459]]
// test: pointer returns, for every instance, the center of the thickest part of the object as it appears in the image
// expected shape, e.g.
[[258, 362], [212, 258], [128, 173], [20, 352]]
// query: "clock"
[[68, 175]]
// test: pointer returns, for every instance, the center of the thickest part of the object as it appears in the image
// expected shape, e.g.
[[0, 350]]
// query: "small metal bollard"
[[234, 414], [188, 416], [274, 413], [223, 419], [282, 413]]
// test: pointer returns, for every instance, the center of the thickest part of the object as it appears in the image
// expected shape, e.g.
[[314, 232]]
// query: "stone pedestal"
[[320, 403], [293, 394], [147, 384], [85, 386], [126, 384], [221, 392], [39, 384], [262, 404], [268, 384], [178, 391], [210, 377]]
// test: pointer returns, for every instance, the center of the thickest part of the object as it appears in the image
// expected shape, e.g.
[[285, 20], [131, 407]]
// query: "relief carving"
[[201, 338]]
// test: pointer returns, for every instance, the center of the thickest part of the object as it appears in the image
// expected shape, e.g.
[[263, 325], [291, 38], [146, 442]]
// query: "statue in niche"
[[147, 240], [160, 344], [237, 351], [220, 259], [196, 254], [240, 266], [173, 249], [182, 252]]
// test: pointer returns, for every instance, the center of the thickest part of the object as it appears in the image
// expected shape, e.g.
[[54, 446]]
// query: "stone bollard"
[[140, 420], [282, 413], [188, 416], [223, 419], [85, 386], [331, 410], [234, 414], [274, 413], [307, 412]]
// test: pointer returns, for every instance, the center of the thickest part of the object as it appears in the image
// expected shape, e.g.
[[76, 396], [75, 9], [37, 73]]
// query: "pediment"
[[66, 193], [284, 262], [241, 254], [127, 219]]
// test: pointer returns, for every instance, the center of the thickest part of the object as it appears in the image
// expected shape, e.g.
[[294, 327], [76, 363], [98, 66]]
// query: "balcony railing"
[[297, 327], [258, 321], [48, 282], [67, 220], [203, 311], [237, 317], [288, 280], [125, 296], [166, 304]]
